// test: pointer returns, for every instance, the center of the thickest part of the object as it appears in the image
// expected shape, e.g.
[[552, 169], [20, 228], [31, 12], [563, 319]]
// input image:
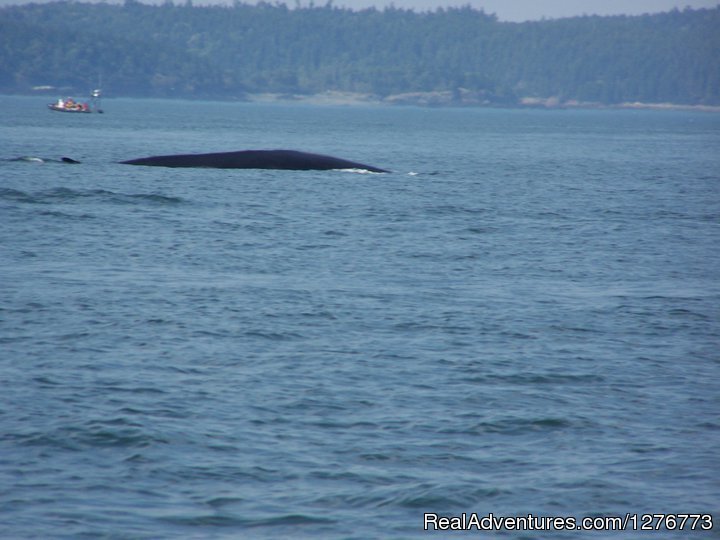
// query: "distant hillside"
[[459, 55]]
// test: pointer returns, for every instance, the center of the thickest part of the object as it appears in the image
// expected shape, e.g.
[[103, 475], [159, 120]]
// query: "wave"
[[113, 433], [215, 520], [69, 195], [412, 494], [511, 426], [356, 171]]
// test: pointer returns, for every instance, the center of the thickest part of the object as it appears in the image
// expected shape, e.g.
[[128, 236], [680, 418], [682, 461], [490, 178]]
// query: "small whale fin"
[[69, 160]]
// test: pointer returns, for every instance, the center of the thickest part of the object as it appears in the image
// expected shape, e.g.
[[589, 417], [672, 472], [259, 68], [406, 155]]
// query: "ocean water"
[[522, 318]]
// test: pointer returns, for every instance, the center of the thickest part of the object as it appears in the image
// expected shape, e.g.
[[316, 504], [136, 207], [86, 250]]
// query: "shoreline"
[[446, 99]]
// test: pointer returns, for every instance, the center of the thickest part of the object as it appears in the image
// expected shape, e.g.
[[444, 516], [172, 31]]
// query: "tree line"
[[229, 52]]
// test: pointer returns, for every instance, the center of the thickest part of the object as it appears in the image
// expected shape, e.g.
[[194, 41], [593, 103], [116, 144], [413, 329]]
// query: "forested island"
[[457, 56]]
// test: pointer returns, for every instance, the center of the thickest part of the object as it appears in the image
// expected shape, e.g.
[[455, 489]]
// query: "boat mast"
[[96, 105]]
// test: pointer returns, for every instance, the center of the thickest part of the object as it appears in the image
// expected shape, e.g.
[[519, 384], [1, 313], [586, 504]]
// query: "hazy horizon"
[[506, 10]]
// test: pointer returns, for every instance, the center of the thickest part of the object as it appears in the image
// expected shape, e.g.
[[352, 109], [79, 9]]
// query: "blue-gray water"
[[522, 318]]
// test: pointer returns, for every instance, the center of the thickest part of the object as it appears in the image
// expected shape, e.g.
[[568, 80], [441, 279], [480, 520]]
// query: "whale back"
[[254, 159]]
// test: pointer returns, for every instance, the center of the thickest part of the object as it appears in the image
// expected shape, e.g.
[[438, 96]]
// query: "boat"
[[69, 105], [73, 106]]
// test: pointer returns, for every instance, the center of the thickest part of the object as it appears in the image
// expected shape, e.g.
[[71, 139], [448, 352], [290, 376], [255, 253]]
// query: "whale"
[[255, 159], [36, 159]]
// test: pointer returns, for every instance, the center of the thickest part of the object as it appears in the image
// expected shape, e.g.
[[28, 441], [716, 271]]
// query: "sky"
[[523, 10], [506, 10]]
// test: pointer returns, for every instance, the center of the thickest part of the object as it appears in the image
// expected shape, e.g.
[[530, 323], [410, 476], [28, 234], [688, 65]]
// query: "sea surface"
[[522, 318]]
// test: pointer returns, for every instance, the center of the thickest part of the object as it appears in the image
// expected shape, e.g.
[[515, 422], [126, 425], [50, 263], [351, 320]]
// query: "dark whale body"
[[255, 159]]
